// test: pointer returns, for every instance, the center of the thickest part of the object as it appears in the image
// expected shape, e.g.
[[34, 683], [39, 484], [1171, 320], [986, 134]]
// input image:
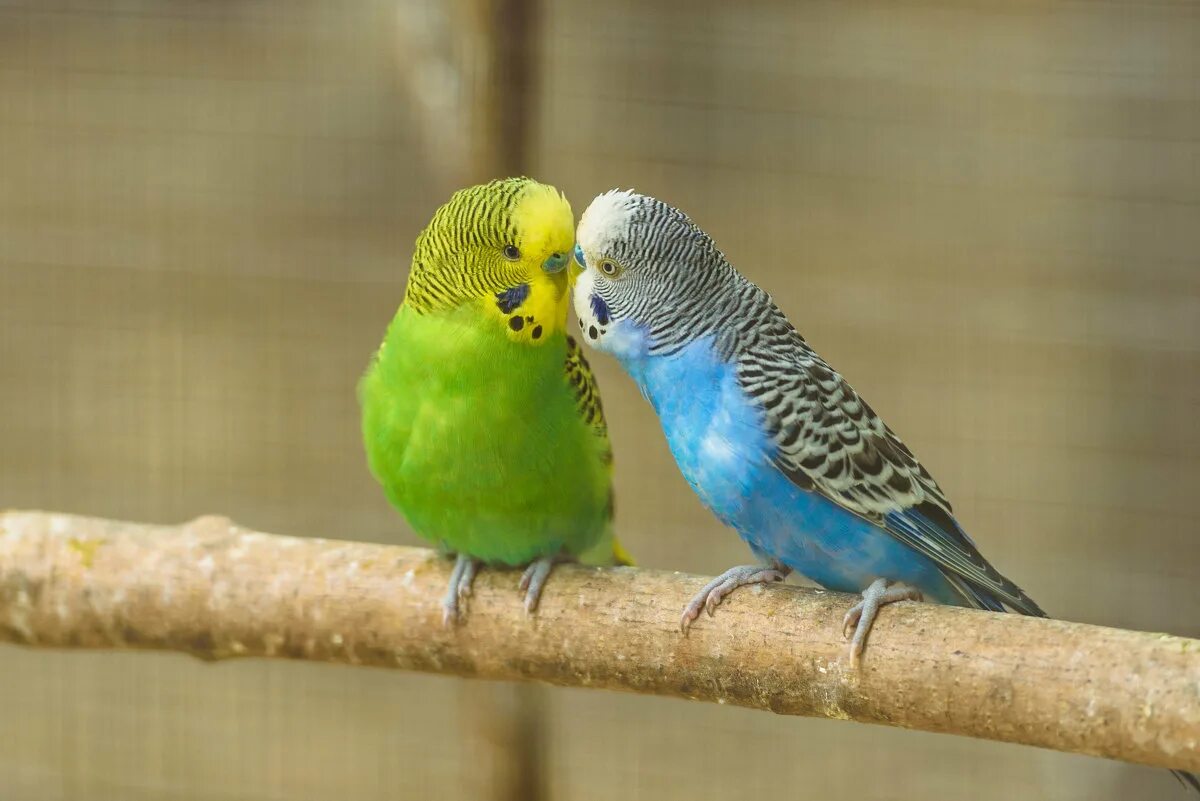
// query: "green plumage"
[[479, 441], [480, 416]]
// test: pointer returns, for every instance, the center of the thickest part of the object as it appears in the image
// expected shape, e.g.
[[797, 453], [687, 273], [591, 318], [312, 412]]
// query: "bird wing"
[[583, 384], [828, 440], [587, 402]]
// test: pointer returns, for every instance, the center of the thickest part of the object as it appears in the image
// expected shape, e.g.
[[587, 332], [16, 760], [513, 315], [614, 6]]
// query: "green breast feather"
[[489, 446]]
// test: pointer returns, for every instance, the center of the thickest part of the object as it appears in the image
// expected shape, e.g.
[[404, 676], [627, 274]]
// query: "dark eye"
[[511, 252], [608, 267]]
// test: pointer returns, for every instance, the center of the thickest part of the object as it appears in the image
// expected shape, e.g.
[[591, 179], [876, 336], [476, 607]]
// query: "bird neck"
[[530, 311], [461, 337], [678, 382]]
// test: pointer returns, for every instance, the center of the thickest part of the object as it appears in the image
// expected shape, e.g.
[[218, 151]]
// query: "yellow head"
[[503, 248]]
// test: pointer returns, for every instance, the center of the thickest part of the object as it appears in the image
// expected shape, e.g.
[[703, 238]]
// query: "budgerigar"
[[480, 416], [772, 439]]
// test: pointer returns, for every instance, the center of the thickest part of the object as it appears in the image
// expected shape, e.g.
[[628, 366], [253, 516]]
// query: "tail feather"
[[1189, 780], [607, 550], [620, 555], [980, 598]]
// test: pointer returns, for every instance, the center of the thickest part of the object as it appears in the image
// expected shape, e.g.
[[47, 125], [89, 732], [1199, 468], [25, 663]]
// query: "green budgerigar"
[[480, 415]]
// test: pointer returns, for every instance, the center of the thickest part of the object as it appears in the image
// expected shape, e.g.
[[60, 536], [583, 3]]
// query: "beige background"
[[984, 214]]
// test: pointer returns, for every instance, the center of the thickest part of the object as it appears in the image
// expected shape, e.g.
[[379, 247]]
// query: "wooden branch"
[[214, 590]]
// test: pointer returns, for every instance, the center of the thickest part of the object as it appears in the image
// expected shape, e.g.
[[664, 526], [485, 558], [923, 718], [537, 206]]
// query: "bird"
[[481, 418], [772, 439]]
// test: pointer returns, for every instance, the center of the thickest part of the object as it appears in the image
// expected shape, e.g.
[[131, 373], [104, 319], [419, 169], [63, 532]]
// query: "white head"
[[649, 276]]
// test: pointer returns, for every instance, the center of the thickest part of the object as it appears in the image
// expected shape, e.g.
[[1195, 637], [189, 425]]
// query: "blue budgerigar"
[[772, 439]]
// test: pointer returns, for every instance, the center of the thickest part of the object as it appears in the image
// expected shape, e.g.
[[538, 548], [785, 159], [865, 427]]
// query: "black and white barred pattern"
[[673, 280], [828, 439]]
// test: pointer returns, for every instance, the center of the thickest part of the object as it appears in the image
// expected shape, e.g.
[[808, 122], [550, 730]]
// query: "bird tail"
[[620, 555], [1189, 780], [980, 598], [607, 550]]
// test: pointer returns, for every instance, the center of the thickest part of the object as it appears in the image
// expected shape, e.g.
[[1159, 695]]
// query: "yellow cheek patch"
[[529, 312], [532, 310]]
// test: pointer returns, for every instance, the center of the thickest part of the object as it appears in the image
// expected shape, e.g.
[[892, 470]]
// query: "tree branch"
[[215, 590]]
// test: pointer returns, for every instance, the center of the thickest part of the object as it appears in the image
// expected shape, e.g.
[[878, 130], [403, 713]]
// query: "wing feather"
[[583, 385], [587, 402], [828, 440]]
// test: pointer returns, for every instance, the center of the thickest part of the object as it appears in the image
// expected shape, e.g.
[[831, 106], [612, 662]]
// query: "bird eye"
[[609, 267], [511, 252], [579, 257]]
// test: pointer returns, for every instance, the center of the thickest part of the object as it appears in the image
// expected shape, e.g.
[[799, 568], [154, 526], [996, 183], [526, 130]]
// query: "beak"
[[555, 263]]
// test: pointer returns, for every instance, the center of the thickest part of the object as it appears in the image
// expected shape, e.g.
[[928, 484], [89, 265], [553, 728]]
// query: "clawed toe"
[[690, 613], [459, 588], [713, 600], [462, 578], [533, 580], [715, 591], [466, 583], [851, 619], [861, 617], [527, 577]]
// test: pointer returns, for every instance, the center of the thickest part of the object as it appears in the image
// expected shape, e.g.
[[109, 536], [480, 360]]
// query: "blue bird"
[[774, 441]]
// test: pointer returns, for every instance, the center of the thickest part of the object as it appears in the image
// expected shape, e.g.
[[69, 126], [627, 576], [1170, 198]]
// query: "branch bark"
[[215, 590]]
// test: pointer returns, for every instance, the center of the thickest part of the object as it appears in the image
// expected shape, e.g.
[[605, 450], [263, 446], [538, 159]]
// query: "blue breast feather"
[[718, 439]]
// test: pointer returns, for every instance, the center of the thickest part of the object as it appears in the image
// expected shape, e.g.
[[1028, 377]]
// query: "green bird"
[[480, 415]]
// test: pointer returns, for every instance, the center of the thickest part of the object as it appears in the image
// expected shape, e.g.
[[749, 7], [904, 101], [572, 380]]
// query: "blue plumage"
[[600, 310], [719, 442], [773, 440]]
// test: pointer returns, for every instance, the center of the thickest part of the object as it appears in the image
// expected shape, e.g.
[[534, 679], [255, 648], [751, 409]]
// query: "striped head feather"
[[502, 248], [651, 280]]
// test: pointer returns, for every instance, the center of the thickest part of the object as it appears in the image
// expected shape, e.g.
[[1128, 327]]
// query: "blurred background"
[[984, 214]]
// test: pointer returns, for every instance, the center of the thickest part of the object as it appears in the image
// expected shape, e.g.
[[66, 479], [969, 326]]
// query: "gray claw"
[[533, 580], [861, 616], [715, 591], [459, 588]]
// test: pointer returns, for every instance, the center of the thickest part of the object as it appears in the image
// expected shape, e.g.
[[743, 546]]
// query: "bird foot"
[[534, 579], [716, 590], [861, 616], [461, 579]]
